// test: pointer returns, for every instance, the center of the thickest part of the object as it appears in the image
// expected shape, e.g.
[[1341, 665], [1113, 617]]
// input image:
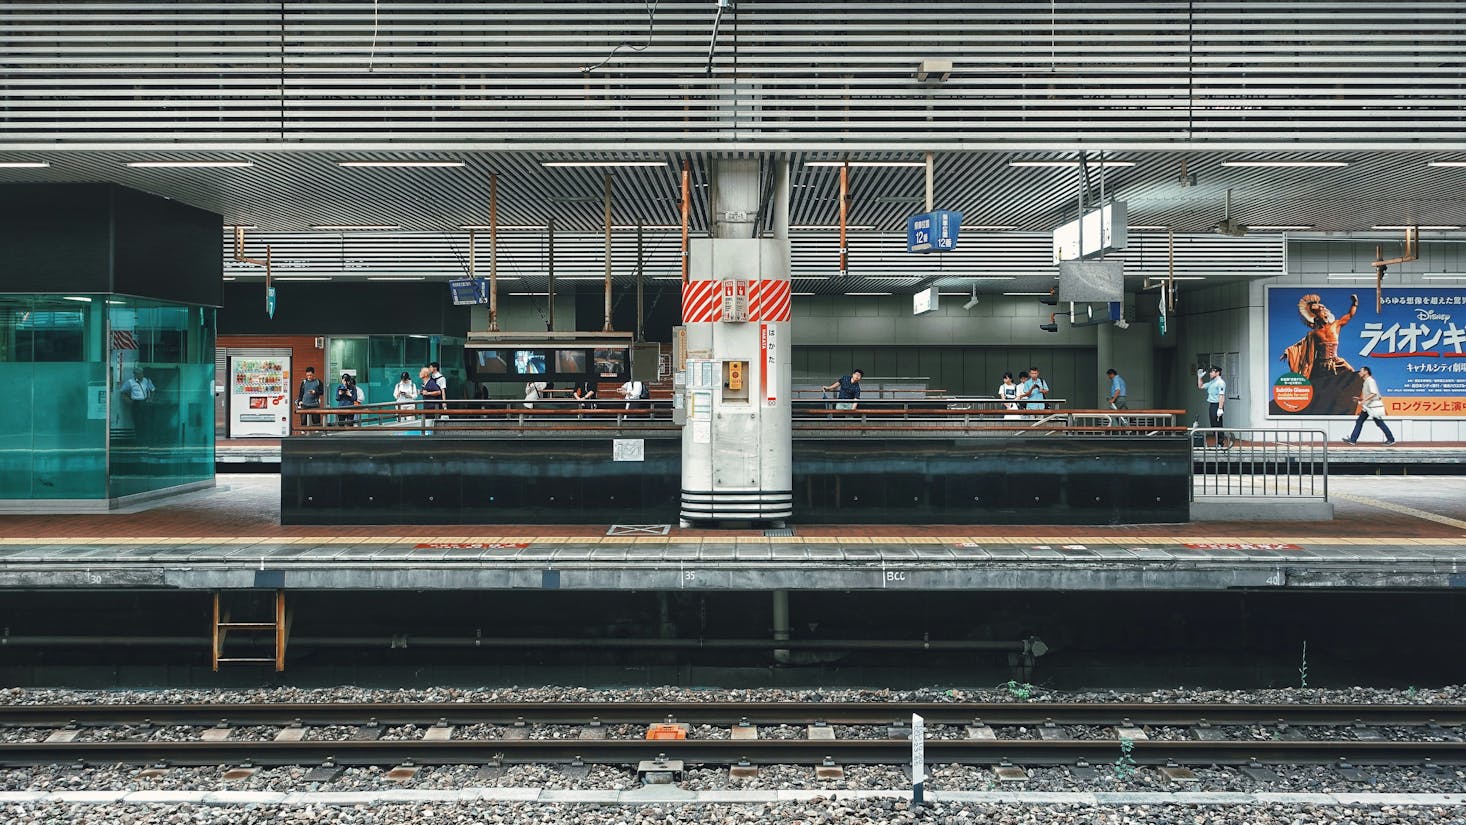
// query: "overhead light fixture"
[[302, 277], [240, 226], [229, 278], [1450, 164], [1442, 277], [1440, 226], [513, 228], [1027, 293], [868, 294], [990, 277], [189, 164], [801, 293], [580, 277], [823, 226], [351, 227], [598, 164], [83, 299], [397, 277], [24, 164], [399, 164], [647, 226], [809, 278], [1286, 164], [1059, 164], [531, 294], [1147, 227], [1351, 277], [1185, 278], [868, 164], [992, 227], [1280, 227]]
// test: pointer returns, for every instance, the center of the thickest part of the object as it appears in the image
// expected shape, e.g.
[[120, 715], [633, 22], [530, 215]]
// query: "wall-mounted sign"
[[925, 301], [933, 231], [1319, 337]]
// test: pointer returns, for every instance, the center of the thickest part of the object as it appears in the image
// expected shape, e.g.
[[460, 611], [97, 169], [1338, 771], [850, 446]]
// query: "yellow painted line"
[[1403, 510]]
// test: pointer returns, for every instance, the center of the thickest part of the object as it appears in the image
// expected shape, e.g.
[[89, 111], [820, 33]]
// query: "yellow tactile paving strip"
[[1403, 510]]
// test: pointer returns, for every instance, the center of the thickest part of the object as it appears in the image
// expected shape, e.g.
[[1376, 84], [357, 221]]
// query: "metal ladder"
[[223, 624]]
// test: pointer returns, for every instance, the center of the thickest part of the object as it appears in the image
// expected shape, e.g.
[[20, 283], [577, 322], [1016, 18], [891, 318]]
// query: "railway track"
[[1300, 734]]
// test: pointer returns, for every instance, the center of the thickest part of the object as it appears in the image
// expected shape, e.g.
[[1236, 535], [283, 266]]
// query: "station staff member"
[[1216, 400]]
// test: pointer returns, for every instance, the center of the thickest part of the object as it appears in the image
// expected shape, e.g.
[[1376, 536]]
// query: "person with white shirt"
[[634, 391], [1371, 405], [405, 394], [1216, 400]]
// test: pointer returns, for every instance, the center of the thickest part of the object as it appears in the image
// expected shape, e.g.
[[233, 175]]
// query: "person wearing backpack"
[[636, 391]]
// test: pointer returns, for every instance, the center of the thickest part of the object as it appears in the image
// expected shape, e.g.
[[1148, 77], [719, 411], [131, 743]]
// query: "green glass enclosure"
[[107, 396]]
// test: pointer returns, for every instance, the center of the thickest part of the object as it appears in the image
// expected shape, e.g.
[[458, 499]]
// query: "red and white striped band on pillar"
[[768, 300]]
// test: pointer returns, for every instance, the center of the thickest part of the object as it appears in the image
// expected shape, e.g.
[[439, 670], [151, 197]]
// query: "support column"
[[736, 308], [781, 625]]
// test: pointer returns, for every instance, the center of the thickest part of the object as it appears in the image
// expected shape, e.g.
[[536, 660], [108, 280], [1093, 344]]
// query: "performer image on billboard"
[[1316, 358]]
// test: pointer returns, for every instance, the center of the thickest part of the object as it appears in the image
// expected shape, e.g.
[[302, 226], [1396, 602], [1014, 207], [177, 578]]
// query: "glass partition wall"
[[106, 396]]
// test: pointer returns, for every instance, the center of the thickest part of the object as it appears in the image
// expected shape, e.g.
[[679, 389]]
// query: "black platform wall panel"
[[442, 479], [1060, 480]]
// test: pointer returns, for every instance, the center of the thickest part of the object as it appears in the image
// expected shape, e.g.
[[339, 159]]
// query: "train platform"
[[1388, 533]]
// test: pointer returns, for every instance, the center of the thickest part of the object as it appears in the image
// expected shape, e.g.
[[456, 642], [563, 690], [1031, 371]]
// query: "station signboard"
[[466, 291], [933, 231]]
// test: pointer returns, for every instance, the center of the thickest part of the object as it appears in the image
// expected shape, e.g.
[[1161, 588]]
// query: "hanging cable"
[[372, 55], [651, 19]]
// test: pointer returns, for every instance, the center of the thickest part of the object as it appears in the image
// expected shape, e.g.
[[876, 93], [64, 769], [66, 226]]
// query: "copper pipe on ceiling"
[[493, 253]]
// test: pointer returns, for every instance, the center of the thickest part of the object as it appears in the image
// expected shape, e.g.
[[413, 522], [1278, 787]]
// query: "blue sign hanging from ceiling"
[[469, 291], [933, 231]]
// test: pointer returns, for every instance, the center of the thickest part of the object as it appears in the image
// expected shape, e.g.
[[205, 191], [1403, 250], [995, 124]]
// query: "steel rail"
[[726, 752], [729, 713]]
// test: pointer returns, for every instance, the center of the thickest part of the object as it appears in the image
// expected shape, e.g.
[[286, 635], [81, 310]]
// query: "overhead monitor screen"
[[491, 362], [570, 361], [531, 361], [610, 363]]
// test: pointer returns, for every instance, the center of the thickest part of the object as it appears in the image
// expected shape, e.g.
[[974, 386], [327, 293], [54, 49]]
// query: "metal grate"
[[778, 532], [514, 73]]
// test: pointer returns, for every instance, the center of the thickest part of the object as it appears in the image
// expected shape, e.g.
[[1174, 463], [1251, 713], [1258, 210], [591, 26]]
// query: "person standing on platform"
[[1216, 400], [437, 375], [1371, 405], [405, 394], [634, 391], [1035, 389], [1008, 394], [138, 391], [585, 393], [847, 389], [432, 395], [308, 397], [346, 396], [533, 390]]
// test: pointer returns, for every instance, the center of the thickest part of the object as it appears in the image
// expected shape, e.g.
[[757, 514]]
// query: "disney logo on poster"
[[1430, 315]]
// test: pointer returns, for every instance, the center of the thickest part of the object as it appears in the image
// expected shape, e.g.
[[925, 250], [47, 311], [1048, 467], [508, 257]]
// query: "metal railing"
[[1233, 461]]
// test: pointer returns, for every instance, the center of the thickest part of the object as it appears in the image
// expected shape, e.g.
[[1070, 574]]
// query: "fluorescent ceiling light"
[[954, 294], [868, 293], [1027, 293], [513, 228], [76, 298], [1441, 277], [24, 164], [228, 277], [825, 226], [989, 278], [302, 277], [397, 277], [896, 277], [1454, 164], [801, 293], [1110, 164], [564, 164], [666, 277], [1187, 278], [870, 164], [400, 164], [646, 226], [189, 164], [1351, 277], [1279, 227], [1147, 226], [349, 227], [240, 226], [1286, 164], [580, 277], [810, 278], [531, 294], [995, 227], [1422, 226]]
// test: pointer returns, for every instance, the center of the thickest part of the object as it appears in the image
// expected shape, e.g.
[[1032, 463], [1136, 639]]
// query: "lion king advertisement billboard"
[[1318, 338]]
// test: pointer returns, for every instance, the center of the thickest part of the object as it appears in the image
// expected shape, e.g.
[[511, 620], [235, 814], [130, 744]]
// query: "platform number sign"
[[933, 231]]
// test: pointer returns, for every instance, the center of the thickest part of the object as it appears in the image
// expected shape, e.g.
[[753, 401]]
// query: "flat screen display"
[[570, 361], [610, 363], [491, 362], [531, 361]]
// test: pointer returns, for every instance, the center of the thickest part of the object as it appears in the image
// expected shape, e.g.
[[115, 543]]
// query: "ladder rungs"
[[251, 661], [247, 625]]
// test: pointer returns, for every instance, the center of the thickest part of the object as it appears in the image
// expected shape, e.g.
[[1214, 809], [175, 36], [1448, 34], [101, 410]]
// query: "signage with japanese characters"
[[1318, 338], [933, 231]]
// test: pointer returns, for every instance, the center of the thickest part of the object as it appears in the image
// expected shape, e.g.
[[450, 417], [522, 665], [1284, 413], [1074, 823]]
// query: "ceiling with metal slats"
[[502, 87]]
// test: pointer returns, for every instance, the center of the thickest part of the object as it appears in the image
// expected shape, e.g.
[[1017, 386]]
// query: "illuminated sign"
[[1104, 231]]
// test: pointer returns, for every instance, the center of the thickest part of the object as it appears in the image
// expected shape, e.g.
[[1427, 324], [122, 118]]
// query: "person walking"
[[1117, 390], [1216, 401], [1371, 405], [308, 397], [847, 389]]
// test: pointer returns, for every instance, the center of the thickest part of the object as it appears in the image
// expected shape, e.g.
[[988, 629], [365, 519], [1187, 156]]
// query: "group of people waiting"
[[310, 397]]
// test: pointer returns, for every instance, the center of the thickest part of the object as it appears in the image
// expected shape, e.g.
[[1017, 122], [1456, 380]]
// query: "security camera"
[[1122, 324], [971, 302]]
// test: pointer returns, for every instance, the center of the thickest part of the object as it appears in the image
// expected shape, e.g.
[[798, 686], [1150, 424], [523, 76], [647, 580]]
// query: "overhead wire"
[[651, 22]]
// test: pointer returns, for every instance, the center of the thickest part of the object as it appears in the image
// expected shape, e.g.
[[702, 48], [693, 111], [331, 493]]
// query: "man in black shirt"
[[848, 387], [308, 397]]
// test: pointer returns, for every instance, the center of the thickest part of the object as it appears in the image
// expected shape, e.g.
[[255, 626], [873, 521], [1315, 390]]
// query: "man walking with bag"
[[1371, 405]]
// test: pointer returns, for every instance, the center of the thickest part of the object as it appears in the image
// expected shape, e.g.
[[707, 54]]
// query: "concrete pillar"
[[781, 624], [736, 441]]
